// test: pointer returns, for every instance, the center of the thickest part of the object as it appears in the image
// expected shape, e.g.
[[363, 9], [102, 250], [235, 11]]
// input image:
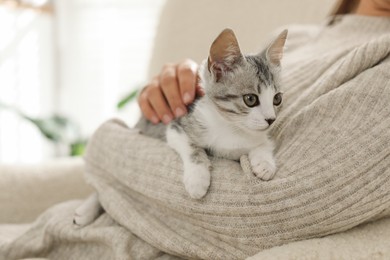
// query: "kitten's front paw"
[[197, 180], [264, 170], [263, 165]]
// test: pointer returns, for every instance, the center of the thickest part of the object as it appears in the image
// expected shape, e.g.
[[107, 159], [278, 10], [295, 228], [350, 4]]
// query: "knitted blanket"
[[332, 150]]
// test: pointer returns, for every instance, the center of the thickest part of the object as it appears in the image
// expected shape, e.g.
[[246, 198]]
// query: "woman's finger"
[[186, 75], [170, 89], [146, 108], [159, 104]]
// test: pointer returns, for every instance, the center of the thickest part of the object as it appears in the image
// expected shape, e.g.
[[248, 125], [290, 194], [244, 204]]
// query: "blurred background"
[[64, 67]]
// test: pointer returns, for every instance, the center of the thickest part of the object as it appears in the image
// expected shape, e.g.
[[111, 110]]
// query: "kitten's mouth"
[[260, 128], [263, 128]]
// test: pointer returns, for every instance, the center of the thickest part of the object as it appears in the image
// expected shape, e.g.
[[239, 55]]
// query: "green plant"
[[127, 99], [59, 129], [55, 128]]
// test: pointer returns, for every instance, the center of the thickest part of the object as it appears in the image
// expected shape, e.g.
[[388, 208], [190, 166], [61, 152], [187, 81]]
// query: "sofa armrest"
[[27, 190]]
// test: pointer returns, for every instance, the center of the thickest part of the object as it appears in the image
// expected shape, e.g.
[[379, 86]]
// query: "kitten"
[[242, 93], [241, 96]]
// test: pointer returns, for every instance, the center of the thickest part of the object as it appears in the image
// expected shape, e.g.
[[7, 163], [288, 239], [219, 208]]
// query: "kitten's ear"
[[224, 53], [274, 52]]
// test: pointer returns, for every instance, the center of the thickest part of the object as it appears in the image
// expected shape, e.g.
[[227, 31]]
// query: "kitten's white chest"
[[223, 143], [223, 140]]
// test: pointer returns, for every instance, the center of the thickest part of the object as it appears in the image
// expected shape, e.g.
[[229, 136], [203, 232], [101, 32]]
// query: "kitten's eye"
[[278, 99], [251, 100]]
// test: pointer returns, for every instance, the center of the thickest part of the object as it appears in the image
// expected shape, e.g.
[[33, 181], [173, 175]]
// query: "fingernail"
[[187, 98], [179, 112], [154, 120], [166, 119]]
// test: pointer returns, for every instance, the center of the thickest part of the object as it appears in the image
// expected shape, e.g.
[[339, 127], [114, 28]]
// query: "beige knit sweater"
[[333, 156]]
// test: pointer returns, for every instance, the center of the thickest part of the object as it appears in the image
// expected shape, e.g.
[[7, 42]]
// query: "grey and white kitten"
[[241, 96], [242, 93]]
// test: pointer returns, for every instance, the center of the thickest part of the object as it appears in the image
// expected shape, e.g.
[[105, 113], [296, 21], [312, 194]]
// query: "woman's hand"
[[167, 95]]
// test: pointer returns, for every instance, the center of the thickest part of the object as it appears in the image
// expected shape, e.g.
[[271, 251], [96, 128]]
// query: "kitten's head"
[[245, 89]]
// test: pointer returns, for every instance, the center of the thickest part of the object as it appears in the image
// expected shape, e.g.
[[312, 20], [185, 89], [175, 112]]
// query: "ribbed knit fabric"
[[333, 157]]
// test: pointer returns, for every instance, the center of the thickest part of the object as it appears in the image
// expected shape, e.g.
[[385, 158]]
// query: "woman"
[[332, 152]]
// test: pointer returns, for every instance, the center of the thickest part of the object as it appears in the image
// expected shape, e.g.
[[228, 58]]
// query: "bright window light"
[[24, 80], [78, 61]]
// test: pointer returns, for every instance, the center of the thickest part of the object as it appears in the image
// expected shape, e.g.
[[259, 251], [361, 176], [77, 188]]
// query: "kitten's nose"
[[270, 120]]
